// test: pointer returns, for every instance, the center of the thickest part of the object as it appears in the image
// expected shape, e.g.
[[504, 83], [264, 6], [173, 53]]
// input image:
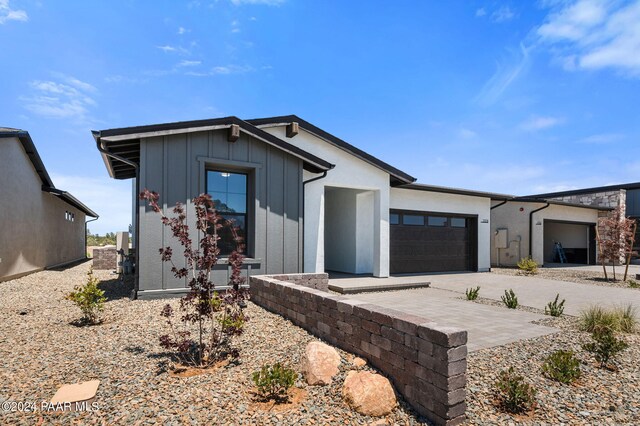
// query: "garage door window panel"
[[437, 221]]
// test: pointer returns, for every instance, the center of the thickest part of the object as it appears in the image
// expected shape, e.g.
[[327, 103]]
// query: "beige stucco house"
[[40, 226]]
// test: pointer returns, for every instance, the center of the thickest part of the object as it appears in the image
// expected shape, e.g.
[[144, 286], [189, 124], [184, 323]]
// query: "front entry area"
[[432, 242]]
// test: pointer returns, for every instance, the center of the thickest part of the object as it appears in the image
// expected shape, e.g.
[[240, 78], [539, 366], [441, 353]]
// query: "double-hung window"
[[229, 193]]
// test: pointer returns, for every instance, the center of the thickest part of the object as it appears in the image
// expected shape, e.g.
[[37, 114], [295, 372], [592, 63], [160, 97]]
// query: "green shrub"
[[89, 298], [514, 394], [622, 319], [528, 266], [605, 346], [554, 308], [562, 366], [510, 299], [274, 381], [633, 284], [472, 293]]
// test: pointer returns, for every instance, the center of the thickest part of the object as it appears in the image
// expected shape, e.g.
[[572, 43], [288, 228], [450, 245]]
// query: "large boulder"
[[320, 363], [369, 394]]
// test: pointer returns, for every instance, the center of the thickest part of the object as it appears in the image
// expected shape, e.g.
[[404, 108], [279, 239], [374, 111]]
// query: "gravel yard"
[[40, 351], [599, 397], [573, 276]]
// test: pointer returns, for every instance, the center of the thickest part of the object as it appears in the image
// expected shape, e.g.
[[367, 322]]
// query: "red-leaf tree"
[[208, 319], [615, 238]]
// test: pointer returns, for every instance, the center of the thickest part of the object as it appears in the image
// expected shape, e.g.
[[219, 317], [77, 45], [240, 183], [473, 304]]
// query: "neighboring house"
[[626, 195], [530, 227], [40, 225], [305, 200]]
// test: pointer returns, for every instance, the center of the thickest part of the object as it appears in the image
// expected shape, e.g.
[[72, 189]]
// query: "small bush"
[[510, 299], [554, 308], [562, 366], [528, 266], [472, 293], [274, 381], [605, 346], [633, 284], [514, 394], [622, 319], [89, 298]]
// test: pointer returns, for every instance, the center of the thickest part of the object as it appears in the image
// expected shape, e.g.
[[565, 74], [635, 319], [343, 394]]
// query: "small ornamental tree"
[[615, 238], [208, 319]]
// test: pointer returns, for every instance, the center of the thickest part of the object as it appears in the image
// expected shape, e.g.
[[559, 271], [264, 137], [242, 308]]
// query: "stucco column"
[[314, 228], [381, 233]]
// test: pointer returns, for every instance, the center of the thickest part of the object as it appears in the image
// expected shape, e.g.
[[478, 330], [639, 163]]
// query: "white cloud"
[[186, 63], [262, 2], [110, 198], [8, 14], [55, 99], [535, 123], [183, 30], [481, 12], [504, 77], [603, 138], [503, 14], [595, 34], [232, 69], [173, 49]]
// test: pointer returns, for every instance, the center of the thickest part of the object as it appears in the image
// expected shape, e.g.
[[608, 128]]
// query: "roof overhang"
[[456, 191], [47, 184], [121, 147], [397, 177], [70, 199], [555, 202]]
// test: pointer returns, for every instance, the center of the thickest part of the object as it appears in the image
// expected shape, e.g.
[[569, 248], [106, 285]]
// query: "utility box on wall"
[[501, 239]]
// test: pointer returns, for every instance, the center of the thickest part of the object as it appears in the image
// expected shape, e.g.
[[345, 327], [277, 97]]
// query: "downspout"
[[304, 186], [134, 294], [531, 228], [85, 234]]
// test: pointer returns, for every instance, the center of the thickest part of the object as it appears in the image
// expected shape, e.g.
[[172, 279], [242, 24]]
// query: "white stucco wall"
[[509, 216], [349, 172], [408, 199]]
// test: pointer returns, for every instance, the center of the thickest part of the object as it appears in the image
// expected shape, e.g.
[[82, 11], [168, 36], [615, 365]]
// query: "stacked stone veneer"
[[425, 361], [105, 258], [611, 199]]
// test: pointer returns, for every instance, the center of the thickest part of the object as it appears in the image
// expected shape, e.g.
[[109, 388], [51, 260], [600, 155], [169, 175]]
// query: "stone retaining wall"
[[105, 258], [317, 281], [425, 361]]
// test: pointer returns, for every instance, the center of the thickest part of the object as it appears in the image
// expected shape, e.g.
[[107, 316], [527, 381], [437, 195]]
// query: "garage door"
[[431, 242]]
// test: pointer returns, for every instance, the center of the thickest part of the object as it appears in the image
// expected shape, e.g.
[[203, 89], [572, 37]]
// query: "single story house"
[[305, 201], [40, 226], [531, 227], [626, 195]]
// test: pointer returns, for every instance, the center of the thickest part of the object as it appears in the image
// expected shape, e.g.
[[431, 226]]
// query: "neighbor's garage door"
[[431, 242]]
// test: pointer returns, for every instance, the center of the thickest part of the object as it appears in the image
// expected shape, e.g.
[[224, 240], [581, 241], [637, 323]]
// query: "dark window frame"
[[247, 212]]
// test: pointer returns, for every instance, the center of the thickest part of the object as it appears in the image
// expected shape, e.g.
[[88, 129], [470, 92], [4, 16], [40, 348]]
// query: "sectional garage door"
[[432, 242]]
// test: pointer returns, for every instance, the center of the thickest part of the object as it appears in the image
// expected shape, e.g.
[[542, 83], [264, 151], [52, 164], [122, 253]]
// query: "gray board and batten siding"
[[175, 166]]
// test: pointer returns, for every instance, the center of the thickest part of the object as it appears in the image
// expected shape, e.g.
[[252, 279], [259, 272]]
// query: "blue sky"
[[515, 97]]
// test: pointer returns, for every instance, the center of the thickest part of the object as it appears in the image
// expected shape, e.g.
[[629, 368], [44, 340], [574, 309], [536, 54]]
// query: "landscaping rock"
[[320, 363], [359, 362], [369, 394]]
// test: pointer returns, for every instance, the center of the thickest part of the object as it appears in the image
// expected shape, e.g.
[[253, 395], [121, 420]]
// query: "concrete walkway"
[[537, 292], [351, 284], [487, 326]]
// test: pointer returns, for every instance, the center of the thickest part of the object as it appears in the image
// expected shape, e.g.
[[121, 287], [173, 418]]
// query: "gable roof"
[[125, 142], [398, 177], [633, 185], [47, 184]]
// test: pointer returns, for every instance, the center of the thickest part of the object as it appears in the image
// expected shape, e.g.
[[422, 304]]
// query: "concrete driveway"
[[537, 292]]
